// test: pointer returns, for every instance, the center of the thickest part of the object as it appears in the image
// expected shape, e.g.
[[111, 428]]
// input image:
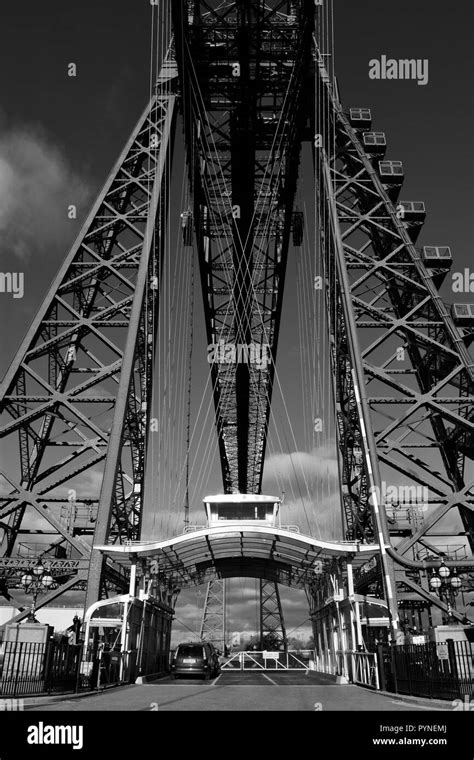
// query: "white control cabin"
[[235, 508]]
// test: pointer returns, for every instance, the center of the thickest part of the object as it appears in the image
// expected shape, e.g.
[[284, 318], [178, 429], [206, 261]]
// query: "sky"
[[59, 137]]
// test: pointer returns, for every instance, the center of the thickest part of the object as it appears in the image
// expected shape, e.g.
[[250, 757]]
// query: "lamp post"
[[446, 585], [34, 582]]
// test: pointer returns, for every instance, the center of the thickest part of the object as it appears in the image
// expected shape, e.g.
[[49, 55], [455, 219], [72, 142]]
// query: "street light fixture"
[[34, 582], [443, 571], [446, 585], [26, 579]]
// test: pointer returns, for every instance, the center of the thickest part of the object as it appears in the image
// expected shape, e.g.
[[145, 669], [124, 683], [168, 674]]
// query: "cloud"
[[36, 186], [318, 516], [301, 466], [310, 479]]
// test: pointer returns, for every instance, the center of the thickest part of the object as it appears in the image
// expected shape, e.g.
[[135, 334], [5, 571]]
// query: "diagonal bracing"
[[75, 402]]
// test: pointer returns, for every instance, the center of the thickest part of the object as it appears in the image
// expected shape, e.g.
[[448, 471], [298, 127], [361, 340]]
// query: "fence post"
[[407, 654], [99, 666], [17, 663], [381, 667], [453, 663], [431, 665], [80, 649], [48, 664], [394, 666]]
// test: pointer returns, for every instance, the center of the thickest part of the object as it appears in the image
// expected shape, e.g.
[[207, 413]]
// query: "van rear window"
[[190, 651]]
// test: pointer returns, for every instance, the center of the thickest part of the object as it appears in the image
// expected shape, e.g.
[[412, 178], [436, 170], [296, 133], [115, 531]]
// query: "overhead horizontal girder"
[[244, 69]]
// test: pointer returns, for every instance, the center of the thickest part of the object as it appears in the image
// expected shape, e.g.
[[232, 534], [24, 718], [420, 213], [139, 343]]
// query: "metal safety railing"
[[443, 670], [35, 668], [55, 666]]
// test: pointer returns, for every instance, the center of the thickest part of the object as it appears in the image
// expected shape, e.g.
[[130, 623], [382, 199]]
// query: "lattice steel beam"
[[75, 402], [213, 627], [404, 379], [244, 67], [272, 626]]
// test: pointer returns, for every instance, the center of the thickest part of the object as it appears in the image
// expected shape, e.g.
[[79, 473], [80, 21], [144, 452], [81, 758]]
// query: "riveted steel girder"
[[243, 68], [272, 626], [76, 400], [213, 627], [404, 379]]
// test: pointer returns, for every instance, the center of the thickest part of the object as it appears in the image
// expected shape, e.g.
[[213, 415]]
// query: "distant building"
[[59, 617]]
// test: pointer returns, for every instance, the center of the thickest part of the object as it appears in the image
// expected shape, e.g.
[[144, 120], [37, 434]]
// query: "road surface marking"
[[416, 707], [270, 679]]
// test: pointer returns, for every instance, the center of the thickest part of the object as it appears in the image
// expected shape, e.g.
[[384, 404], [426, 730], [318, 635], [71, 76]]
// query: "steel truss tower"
[[76, 399], [251, 84], [272, 626], [213, 627], [403, 375]]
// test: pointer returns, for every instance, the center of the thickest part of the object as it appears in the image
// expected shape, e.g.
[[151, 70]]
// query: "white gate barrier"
[[302, 659], [364, 670], [359, 667]]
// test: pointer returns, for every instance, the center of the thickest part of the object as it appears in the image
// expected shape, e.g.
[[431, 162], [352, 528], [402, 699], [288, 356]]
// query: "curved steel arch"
[[276, 554]]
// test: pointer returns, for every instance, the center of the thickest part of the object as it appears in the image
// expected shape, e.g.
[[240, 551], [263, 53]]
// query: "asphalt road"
[[239, 691]]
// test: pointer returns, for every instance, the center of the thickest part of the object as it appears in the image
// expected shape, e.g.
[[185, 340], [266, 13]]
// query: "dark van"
[[195, 659]]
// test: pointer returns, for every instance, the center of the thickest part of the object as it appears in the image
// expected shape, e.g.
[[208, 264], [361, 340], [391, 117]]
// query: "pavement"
[[246, 691]]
